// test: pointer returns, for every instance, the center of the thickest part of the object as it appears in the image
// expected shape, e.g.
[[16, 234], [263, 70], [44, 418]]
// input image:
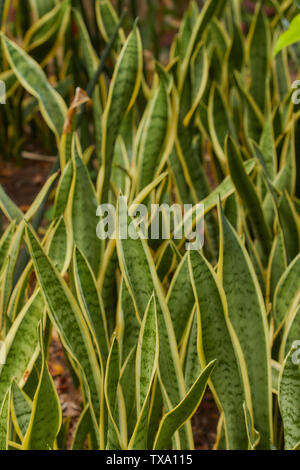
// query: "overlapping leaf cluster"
[[144, 324]]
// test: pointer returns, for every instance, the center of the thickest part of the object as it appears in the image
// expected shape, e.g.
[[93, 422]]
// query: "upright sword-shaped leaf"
[[123, 91]]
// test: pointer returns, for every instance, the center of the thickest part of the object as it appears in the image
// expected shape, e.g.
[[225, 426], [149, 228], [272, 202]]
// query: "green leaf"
[[259, 47], [11, 84], [7, 285], [138, 269], [63, 190], [267, 146], [128, 384], [173, 420], [285, 178], [82, 210], [253, 435], [92, 64], [249, 196], [4, 421], [283, 80], [277, 264], [41, 7], [5, 242], [192, 366], [181, 299], [147, 354], [128, 324], [276, 368], [46, 416], [146, 366], [21, 408], [82, 429], [223, 191], [123, 91], [248, 317], [287, 293], [120, 180], [44, 37], [111, 389], [33, 79], [220, 122], [291, 36], [289, 222], [152, 138], [199, 76], [67, 318], [289, 391], [253, 116], [186, 30], [60, 246], [107, 284], [22, 344], [291, 332], [236, 55], [91, 303], [210, 9], [107, 20], [216, 342]]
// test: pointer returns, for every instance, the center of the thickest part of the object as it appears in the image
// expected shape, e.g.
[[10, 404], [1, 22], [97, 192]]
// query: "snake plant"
[[145, 324]]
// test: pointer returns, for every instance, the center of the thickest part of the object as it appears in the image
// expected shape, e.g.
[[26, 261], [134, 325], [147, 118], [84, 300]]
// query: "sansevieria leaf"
[[107, 20], [223, 191], [138, 268], [4, 420], [209, 10], [46, 416], [173, 420], [181, 299], [5, 242], [42, 7], [46, 35], [60, 246], [287, 293], [146, 367], [259, 40], [82, 429], [111, 390], [147, 354], [199, 75], [34, 80], [216, 342], [289, 391], [153, 135], [63, 190], [122, 94], [291, 333], [22, 344], [290, 36], [67, 317], [220, 122], [91, 303], [247, 314], [249, 196], [21, 408], [81, 212], [192, 365]]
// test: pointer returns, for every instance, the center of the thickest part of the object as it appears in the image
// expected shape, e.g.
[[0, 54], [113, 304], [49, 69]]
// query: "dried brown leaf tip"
[[80, 98]]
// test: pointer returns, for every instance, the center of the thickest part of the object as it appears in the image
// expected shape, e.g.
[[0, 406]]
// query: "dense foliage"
[[146, 325]]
